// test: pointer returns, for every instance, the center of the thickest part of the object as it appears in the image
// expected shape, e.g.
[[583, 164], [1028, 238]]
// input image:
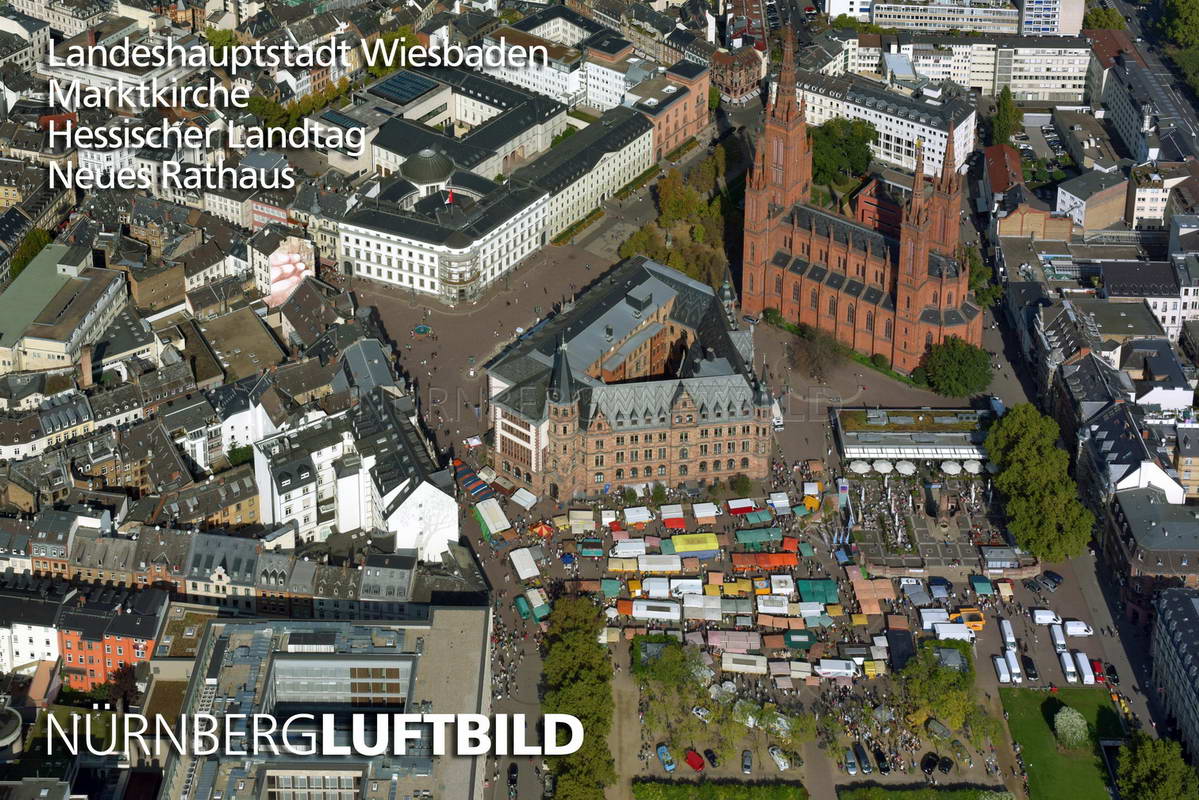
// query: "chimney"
[[85, 367], [91, 37]]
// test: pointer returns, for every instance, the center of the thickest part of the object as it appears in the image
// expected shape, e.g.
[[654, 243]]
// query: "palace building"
[[856, 280]]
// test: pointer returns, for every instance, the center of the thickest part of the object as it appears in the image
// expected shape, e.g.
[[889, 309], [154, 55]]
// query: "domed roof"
[[427, 166]]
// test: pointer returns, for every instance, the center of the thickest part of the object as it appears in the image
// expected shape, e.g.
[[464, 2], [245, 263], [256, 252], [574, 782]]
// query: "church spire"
[[784, 107], [562, 388], [949, 180], [916, 203]]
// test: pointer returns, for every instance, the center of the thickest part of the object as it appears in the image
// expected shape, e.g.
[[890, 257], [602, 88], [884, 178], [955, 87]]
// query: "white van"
[[1001, 670], [1044, 616], [1058, 638], [836, 668], [1013, 665], [1009, 636], [1068, 667], [1076, 627], [1084, 668], [776, 416]]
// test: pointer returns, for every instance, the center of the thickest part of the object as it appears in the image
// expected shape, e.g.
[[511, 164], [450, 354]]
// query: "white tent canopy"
[[524, 498], [860, 467], [883, 466], [905, 468], [493, 516], [523, 563], [672, 512], [705, 510], [637, 515], [973, 467], [951, 467]]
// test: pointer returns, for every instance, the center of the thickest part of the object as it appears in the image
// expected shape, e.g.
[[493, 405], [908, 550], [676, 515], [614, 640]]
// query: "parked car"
[[780, 760], [884, 765], [851, 763], [1030, 669], [665, 757], [702, 714], [1113, 677], [694, 760], [1033, 585], [1097, 668], [513, 779], [710, 754], [1052, 577], [863, 758], [747, 762], [945, 765], [928, 764], [749, 319]]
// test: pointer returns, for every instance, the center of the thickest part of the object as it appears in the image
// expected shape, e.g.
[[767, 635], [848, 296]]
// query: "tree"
[[1103, 19], [986, 291], [1070, 727], [933, 690], [713, 98], [1044, 513], [630, 496], [1180, 21], [577, 676], [220, 39], [740, 484], [659, 495], [400, 38], [1154, 769], [240, 455], [841, 149], [1007, 119], [27, 250], [956, 368]]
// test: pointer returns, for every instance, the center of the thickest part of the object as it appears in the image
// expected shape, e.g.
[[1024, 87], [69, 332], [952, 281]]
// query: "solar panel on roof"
[[403, 87], [338, 118]]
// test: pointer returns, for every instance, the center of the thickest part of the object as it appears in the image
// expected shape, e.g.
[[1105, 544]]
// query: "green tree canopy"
[[841, 149], [577, 675], [27, 250], [956, 368], [1154, 769], [1008, 119], [1103, 19], [1180, 21], [933, 690], [1044, 512]]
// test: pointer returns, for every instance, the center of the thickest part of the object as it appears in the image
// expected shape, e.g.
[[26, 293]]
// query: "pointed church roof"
[[785, 108], [562, 387]]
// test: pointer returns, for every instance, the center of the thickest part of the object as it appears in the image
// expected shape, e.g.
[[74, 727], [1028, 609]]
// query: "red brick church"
[[855, 279]]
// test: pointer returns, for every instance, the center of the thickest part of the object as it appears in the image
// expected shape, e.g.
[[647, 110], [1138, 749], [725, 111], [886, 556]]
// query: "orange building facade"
[[873, 291]]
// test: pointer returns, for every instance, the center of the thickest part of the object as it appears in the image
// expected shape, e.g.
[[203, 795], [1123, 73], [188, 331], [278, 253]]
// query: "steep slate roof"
[[715, 375]]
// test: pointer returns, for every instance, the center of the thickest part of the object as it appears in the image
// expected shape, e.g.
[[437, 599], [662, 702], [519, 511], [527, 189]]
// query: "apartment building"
[[368, 468], [1034, 68], [66, 17], [987, 16], [1175, 658], [110, 630], [901, 120], [1051, 17]]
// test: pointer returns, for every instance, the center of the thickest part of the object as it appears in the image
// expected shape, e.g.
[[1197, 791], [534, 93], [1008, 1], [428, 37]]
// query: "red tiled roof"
[[1003, 167]]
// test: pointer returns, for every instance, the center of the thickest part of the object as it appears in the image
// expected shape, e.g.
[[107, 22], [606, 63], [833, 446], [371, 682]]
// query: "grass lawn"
[[1053, 773]]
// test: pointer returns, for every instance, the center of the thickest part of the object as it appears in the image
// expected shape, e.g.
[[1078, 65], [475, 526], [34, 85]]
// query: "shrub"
[[879, 360], [1070, 727]]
